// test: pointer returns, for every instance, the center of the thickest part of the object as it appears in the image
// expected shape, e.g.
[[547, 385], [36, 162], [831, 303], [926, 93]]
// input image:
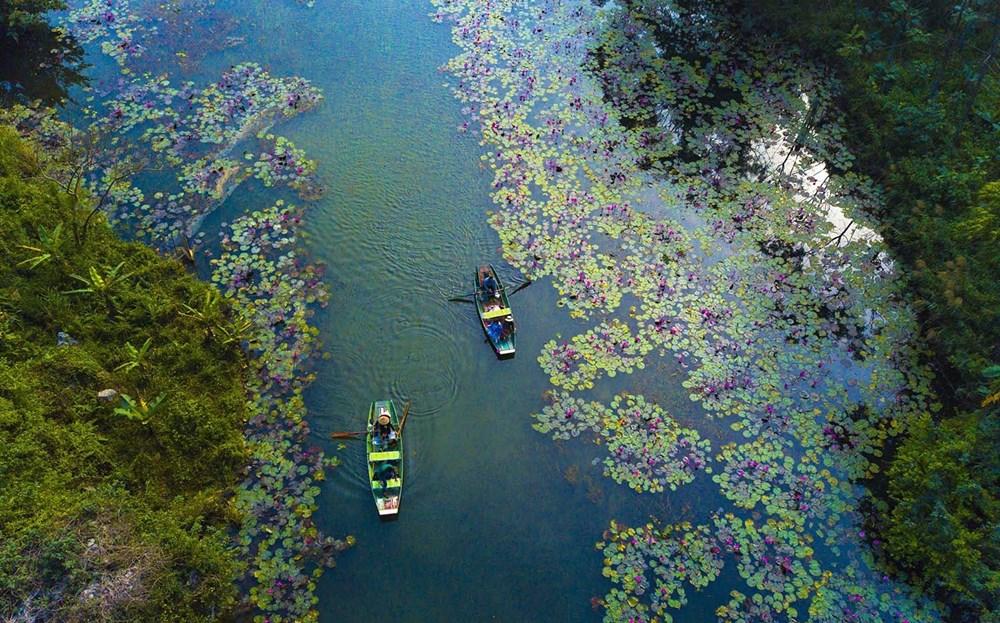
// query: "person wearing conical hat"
[[383, 433]]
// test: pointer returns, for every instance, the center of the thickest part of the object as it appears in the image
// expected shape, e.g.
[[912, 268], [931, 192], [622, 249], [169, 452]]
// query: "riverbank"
[[120, 416], [160, 156], [918, 92]]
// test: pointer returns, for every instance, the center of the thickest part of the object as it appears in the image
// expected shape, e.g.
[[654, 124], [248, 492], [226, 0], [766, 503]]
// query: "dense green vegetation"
[[120, 417], [920, 89]]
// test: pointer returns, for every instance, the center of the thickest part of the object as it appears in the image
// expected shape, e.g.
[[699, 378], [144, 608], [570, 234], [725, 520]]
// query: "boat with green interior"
[[494, 311], [385, 456]]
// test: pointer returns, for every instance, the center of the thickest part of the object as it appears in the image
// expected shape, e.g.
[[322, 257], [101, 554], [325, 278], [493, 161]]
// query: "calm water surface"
[[497, 522]]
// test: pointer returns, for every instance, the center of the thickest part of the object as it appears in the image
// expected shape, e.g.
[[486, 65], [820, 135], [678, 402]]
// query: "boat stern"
[[388, 506]]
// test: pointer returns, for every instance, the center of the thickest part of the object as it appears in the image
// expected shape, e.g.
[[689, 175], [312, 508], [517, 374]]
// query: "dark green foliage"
[[921, 89], [945, 486], [921, 93], [19, 13], [105, 517]]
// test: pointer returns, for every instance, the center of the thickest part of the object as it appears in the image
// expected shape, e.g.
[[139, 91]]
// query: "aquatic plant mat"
[[676, 189]]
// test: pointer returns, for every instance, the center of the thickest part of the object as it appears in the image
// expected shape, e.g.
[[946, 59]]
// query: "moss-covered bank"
[[120, 418]]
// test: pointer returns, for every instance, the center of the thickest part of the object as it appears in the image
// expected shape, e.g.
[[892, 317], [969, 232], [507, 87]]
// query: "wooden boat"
[[495, 309], [385, 461]]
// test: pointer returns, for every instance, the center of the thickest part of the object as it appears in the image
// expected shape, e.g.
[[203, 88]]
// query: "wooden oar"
[[402, 420], [524, 284], [348, 434], [462, 297]]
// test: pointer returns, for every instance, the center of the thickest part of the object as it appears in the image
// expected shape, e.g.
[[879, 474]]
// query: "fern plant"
[[47, 248], [136, 356], [102, 284], [137, 409]]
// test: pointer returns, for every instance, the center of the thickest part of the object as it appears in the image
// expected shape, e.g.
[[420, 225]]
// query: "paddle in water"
[[524, 284], [402, 420], [348, 434]]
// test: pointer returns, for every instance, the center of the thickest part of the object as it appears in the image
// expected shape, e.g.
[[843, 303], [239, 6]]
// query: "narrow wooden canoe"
[[385, 461], [495, 314]]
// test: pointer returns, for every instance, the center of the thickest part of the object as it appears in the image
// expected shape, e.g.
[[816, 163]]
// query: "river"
[[490, 526]]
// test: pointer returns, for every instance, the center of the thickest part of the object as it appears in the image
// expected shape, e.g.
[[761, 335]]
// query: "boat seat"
[[391, 455], [497, 313], [389, 484]]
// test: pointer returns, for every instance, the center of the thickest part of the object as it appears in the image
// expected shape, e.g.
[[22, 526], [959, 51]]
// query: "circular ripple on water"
[[411, 358], [426, 370], [407, 359]]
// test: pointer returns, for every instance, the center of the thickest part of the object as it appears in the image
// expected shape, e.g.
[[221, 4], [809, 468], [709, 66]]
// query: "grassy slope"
[[108, 515]]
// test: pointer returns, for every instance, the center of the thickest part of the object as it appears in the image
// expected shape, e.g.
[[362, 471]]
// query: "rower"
[[383, 431], [490, 285], [507, 326]]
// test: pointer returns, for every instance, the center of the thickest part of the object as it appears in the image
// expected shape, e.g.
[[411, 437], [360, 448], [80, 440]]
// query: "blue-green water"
[[490, 528], [497, 522]]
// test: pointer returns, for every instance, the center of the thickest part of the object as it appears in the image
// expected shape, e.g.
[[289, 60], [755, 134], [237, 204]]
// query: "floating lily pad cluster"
[[763, 474], [773, 557], [274, 291], [651, 567], [283, 162], [747, 609], [124, 30], [569, 416], [112, 23], [188, 130], [855, 595], [194, 133], [647, 449], [640, 157], [209, 177], [608, 348], [279, 162]]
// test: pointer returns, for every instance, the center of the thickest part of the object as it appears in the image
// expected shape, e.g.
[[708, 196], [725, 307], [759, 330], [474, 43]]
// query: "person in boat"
[[494, 330], [383, 433], [384, 473], [507, 327], [490, 285]]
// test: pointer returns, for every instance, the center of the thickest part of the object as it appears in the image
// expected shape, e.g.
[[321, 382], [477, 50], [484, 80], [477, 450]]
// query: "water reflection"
[[38, 62]]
